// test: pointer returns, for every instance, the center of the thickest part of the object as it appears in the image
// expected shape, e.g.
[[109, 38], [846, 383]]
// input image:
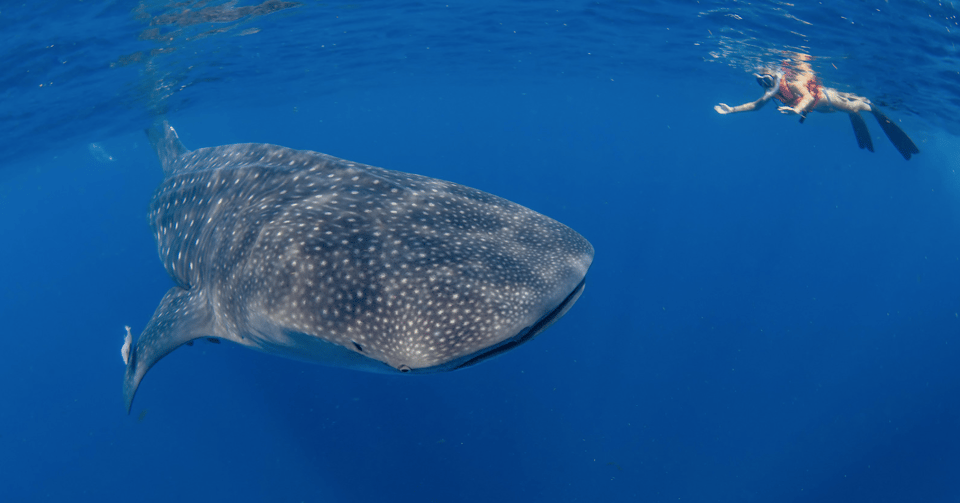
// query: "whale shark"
[[316, 258]]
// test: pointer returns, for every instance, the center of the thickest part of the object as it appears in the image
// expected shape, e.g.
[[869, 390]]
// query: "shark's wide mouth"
[[525, 335]]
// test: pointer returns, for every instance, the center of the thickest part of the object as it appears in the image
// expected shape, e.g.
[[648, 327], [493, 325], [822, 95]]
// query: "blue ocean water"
[[772, 314]]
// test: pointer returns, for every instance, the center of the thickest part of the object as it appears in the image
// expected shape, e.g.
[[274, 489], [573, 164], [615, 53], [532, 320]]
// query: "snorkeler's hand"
[[788, 110], [723, 108]]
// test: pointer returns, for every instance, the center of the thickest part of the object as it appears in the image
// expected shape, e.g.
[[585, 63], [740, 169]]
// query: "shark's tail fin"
[[181, 317], [904, 144], [167, 144]]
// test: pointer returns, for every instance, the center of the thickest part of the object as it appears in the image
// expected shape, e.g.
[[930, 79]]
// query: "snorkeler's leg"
[[860, 131], [834, 100], [904, 144]]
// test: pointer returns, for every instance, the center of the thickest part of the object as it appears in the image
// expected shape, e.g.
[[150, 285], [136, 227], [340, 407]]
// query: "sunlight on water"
[[160, 56]]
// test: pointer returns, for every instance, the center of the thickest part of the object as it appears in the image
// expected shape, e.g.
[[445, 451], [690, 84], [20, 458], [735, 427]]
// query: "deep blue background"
[[772, 314]]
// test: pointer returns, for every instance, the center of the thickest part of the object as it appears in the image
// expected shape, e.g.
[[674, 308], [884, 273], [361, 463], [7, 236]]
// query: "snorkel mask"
[[766, 80]]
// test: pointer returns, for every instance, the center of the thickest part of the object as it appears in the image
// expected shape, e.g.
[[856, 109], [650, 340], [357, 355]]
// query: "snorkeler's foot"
[[860, 131], [904, 144]]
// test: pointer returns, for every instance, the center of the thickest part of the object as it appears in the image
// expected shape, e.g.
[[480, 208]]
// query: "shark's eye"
[[403, 368], [358, 346]]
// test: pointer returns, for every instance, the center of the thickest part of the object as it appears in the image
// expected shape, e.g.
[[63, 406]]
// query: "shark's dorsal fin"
[[167, 144]]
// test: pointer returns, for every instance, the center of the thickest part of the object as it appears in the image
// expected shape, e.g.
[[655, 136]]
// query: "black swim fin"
[[860, 131], [904, 144]]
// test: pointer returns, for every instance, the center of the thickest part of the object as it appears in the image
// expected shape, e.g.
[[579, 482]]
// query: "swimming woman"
[[799, 91]]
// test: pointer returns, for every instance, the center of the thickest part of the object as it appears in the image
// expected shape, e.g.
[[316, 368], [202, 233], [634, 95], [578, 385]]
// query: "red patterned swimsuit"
[[786, 95]]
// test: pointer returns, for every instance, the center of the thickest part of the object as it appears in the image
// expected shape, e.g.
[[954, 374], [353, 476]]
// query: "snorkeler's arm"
[[801, 108], [723, 108]]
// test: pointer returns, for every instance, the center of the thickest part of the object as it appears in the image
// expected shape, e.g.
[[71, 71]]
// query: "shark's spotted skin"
[[322, 259]]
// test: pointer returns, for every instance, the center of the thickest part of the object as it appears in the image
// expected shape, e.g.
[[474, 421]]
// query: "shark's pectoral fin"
[[183, 315]]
